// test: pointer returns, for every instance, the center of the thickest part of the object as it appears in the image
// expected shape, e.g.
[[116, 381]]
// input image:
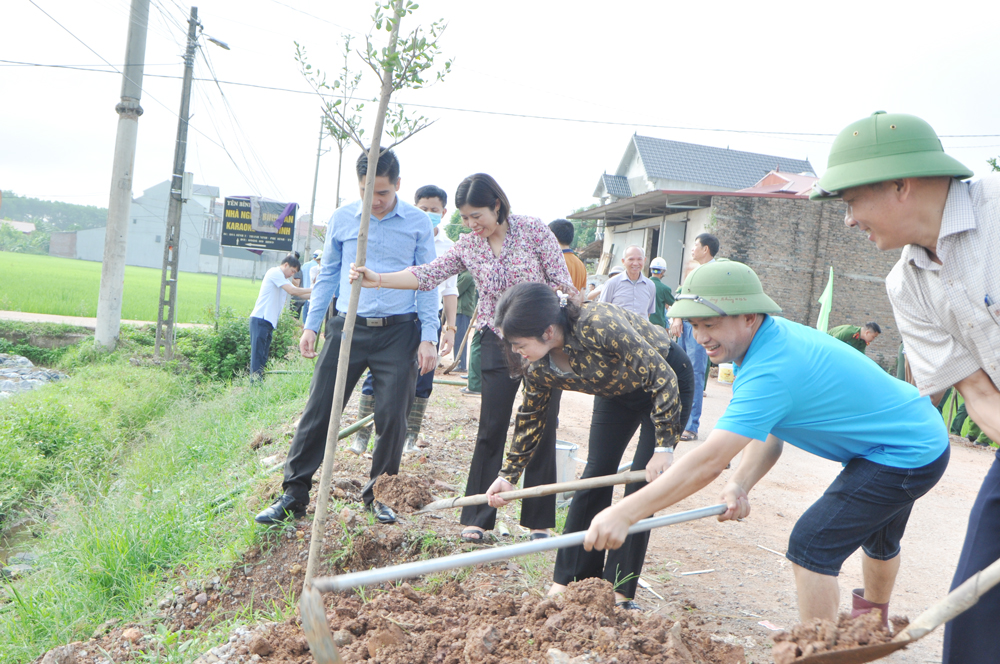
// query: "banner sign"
[[255, 223]]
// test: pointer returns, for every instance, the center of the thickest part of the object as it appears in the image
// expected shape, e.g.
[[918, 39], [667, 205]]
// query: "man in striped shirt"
[[905, 192]]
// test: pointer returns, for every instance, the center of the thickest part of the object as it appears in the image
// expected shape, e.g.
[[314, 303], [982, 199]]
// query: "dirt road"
[[751, 580]]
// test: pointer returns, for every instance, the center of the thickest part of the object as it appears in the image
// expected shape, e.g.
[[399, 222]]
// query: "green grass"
[[140, 457], [68, 287]]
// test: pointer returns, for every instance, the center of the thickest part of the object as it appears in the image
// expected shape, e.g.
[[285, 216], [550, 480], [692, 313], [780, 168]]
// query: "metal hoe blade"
[[954, 603], [317, 631]]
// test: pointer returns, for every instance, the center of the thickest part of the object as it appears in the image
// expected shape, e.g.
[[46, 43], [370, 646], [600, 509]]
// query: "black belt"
[[384, 321]]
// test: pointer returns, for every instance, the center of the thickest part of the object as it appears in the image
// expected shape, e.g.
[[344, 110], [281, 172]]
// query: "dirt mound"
[[817, 636], [375, 546], [403, 493], [455, 626]]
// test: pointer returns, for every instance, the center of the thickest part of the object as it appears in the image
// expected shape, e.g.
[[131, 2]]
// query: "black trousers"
[[391, 354], [499, 392], [613, 423]]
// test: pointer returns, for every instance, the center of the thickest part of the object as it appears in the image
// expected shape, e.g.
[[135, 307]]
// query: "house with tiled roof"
[[651, 164], [665, 193]]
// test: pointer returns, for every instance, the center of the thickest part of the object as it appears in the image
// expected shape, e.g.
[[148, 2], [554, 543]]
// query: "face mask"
[[435, 218]]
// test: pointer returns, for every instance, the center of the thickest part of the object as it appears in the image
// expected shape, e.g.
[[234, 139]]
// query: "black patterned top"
[[611, 352]]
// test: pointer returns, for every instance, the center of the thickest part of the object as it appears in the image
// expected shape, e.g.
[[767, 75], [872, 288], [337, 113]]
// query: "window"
[[159, 239]]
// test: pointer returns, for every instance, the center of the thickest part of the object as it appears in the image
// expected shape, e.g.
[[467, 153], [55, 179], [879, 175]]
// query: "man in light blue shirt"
[[801, 386], [395, 330]]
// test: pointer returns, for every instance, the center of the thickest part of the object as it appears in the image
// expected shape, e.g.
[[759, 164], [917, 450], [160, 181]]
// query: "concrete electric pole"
[[172, 239], [312, 204], [109, 301]]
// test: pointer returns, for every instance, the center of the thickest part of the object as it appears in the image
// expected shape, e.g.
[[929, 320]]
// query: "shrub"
[[223, 352]]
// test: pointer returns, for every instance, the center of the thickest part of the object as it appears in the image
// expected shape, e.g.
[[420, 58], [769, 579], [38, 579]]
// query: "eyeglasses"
[[700, 300]]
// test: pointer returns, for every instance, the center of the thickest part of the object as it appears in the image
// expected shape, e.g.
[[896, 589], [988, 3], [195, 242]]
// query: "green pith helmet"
[[885, 146], [722, 288]]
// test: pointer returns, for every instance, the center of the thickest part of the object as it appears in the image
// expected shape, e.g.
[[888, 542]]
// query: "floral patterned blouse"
[[529, 254], [612, 351]]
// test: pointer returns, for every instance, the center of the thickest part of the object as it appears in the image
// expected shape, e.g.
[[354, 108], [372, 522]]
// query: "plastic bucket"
[[565, 465], [726, 373]]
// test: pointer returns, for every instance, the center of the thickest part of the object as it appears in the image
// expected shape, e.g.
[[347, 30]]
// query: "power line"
[[116, 71], [318, 18], [524, 115]]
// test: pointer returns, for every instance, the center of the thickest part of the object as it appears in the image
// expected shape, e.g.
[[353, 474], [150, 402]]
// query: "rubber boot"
[[413, 423], [366, 406], [862, 606]]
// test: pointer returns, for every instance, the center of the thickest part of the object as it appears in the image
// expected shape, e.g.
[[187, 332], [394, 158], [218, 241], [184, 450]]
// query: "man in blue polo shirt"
[[892, 441], [395, 331]]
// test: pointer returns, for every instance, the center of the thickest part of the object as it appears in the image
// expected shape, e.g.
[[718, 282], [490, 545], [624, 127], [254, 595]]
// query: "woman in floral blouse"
[[636, 373], [502, 250]]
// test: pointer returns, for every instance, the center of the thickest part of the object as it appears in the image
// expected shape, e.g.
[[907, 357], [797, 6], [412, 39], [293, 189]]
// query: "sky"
[[775, 79]]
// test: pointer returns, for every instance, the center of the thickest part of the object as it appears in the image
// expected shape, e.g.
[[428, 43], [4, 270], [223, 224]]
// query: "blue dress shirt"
[[402, 238]]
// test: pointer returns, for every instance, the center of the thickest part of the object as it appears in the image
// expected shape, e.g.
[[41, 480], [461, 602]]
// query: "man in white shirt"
[[905, 192], [274, 291], [631, 289]]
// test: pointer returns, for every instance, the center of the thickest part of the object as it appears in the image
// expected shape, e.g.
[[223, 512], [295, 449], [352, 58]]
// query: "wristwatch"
[[451, 327]]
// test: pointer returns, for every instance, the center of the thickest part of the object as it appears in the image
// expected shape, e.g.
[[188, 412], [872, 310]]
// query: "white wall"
[[697, 221]]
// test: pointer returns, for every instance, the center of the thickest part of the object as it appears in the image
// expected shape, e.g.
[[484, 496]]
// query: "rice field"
[[69, 287]]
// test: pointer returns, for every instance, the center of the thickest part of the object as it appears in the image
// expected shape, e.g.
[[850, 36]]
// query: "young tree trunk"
[[340, 164], [323, 494]]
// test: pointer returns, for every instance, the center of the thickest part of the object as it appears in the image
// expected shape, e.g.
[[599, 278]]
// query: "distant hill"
[[57, 216]]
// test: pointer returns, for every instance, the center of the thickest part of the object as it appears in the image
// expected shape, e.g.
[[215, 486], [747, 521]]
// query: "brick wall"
[[792, 244]]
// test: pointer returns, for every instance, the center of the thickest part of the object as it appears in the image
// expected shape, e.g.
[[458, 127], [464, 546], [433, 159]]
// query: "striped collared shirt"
[[949, 314]]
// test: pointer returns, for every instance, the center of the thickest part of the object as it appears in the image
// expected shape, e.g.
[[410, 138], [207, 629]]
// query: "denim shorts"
[[868, 505]]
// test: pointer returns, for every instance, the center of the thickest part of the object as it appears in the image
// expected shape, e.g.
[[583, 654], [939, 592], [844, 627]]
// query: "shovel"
[[954, 604], [311, 601], [540, 490]]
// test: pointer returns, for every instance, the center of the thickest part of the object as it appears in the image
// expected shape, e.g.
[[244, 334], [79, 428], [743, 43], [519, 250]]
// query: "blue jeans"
[[462, 323], [699, 361], [966, 640], [260, 345]]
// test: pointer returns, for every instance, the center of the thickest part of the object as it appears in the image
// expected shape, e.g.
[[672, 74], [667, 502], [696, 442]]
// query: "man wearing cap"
[[664, 296], [905, 192], [892, 441]]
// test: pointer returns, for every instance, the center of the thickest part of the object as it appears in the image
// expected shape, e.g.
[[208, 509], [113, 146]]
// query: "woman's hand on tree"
[[369, 278]]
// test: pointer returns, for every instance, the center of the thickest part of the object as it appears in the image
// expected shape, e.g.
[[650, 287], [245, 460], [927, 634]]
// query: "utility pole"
[[172, 239], [312, 204], [109, 300]]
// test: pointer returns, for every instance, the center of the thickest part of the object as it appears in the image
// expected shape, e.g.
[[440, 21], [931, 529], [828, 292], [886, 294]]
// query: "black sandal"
[[474, 535]]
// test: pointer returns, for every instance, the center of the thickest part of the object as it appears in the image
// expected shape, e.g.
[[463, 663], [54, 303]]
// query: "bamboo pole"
[[628, 477], [323, 498]]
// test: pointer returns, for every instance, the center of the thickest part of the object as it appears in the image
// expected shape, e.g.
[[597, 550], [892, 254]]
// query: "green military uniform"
[[850, 335], [468, 296], [664, 299]]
